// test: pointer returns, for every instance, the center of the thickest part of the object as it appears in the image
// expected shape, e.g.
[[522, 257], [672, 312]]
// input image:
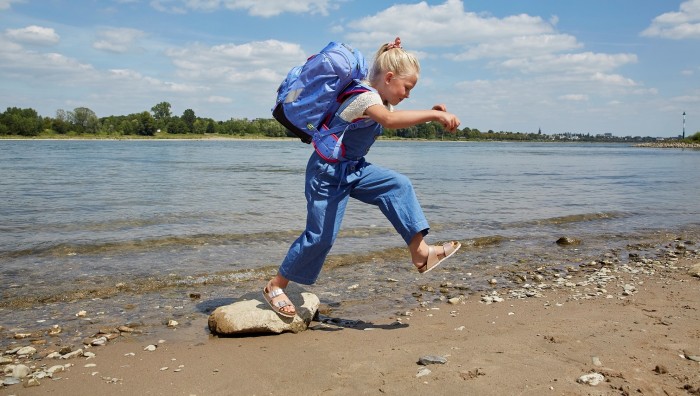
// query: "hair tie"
[[395, 44]]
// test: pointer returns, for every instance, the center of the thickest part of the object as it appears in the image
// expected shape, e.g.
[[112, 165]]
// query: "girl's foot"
[[278, 300], [435, 256]]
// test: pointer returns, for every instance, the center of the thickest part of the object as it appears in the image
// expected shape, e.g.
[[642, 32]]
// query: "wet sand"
[[634, 321]]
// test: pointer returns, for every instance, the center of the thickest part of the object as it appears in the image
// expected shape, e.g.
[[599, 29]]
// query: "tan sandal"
[[433, 260], [279, 305]]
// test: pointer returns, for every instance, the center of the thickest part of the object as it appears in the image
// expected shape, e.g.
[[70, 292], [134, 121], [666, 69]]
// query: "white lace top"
[[356, 108]]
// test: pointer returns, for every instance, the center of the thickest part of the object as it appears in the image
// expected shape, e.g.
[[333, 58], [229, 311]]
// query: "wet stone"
[[431, 359]]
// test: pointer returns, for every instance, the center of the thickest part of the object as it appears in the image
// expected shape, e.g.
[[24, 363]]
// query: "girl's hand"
[[448, 120]]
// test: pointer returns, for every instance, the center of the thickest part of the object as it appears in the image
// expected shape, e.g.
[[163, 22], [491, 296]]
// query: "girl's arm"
[[406, 118]]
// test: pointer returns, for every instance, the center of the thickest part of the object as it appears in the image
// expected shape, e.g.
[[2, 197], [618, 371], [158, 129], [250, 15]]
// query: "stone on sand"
[[256, 317]]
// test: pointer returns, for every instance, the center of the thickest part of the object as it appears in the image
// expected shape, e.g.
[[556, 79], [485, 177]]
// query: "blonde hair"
[[392, 58]]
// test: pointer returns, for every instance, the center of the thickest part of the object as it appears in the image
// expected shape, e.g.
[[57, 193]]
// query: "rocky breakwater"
[[671, 144]]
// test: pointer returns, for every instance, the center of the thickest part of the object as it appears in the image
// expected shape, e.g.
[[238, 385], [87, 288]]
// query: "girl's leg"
[[325, 210], [326, 204], [393, 193]]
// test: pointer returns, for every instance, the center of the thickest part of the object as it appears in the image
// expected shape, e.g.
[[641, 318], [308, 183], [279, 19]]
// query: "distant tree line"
[[82, 121]]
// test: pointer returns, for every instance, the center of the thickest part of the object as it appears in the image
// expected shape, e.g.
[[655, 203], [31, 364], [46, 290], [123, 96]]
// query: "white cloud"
[[267, 8], [164, 6], [219, 99], [118, 40], [613, 79], [36, 66], [7, 4], [444, 25], [682, 24], [266, 61], [34, 35], [574, 97], [578, 63], [134, 78], [519, 46]]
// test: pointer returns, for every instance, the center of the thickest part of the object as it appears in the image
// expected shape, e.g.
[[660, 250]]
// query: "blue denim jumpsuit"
[[328, 188]]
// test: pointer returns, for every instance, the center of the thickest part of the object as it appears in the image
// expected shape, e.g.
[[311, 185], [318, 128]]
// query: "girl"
[[329, 185]]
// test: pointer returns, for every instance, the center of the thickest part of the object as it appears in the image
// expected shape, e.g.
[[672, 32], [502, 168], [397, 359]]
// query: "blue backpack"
[[311, 94]]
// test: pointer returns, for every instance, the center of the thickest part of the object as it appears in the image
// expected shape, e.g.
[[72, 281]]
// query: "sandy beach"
[[634, 322]]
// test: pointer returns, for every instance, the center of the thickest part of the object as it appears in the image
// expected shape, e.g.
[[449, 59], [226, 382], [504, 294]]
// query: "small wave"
[[82, 289], [186, 241], [576, 218]]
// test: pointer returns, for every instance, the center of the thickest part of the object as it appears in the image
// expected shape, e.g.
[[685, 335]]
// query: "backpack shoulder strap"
[[356, 87]]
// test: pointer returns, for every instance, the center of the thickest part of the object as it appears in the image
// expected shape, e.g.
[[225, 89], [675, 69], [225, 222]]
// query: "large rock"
[[695, 270], [255, 316]]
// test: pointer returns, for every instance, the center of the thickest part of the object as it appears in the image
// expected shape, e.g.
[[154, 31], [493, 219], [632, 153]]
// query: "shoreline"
[[681, 145], [628, 320]]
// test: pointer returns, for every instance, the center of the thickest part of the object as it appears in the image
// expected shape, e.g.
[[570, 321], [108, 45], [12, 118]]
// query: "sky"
[[626, 67]]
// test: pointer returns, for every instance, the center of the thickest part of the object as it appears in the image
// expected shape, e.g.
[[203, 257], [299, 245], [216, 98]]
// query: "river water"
[[127, 228]]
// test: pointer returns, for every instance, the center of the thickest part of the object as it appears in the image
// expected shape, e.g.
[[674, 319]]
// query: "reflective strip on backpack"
[[293, 95]]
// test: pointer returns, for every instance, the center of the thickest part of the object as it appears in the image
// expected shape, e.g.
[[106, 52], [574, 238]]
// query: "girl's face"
[[394, 88]]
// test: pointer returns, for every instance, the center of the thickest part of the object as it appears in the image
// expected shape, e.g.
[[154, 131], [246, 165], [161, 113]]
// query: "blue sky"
[[626, 67]]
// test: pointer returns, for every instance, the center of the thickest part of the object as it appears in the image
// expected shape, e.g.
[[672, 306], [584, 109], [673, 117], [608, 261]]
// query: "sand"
[[520, 346]]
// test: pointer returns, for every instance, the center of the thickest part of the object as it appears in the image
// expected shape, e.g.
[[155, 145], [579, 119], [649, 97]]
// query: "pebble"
[[55, 369], [694, 270], [11, 381], [173, 323], [431, 359], [32, 382], [73, 354], [422, 372], [596, 361], [491, 299], [591, 379], [691, 356], [26, 351], [21, 371], [150, 348]]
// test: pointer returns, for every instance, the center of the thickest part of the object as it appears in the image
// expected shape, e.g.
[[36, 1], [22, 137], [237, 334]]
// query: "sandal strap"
[[283, 303], [275, 292], [449, 247]]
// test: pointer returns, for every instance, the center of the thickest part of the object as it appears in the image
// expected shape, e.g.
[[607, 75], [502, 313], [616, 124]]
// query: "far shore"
[[191, 137]]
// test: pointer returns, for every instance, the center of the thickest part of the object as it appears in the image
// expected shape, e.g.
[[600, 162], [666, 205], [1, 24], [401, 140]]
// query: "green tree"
[[84, 120], [189, 118], [161, 111], [177, 126], [211, 126], [146, 124], [24, 122], [162, 114]]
